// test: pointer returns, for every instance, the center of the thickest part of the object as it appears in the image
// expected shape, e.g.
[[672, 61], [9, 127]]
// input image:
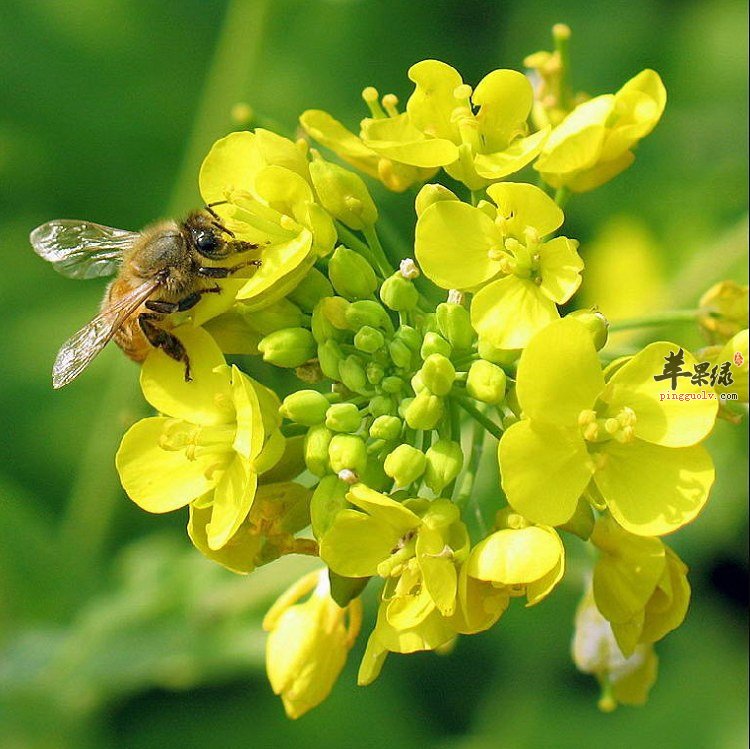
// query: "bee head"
[[209, 244]]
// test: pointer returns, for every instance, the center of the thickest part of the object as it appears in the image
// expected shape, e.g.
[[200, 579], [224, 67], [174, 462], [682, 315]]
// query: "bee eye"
[[206, 242]]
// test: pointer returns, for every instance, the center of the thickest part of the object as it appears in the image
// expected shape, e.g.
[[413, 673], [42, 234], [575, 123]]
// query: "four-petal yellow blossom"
[[308, 642], [593, 143], [641, 451], [215, 435], [519, 276]]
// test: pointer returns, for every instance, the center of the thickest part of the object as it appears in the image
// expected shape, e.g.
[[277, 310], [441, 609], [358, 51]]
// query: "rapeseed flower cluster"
[[410, 369]]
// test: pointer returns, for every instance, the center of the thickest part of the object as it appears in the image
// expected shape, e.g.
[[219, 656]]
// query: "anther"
[[390, 104]]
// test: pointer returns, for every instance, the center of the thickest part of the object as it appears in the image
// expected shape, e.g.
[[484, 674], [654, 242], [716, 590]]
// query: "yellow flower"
[[625, 680], [261, 185], [640, 585], [520, 276], [308, 642], [640, 449], [718, 356], [332, 134], [525, 559], [216, 434], [478, 137], [278, 512], [724, 310], [593, 143]]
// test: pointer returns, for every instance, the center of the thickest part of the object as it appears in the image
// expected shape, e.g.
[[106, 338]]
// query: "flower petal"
[[652, 490], [158, 480], [233, 497], [525, 205], [504, 98], [452, 243], [560, 266], [431, 105], [206, 399], [671, 423], [383, 508], [520, 152], [544, 470], [508, 312]]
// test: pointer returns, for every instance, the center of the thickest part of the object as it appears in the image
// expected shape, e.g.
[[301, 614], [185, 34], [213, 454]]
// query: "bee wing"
[[81, 249], [78, 351]]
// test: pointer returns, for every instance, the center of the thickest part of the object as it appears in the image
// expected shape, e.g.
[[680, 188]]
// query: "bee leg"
[[226, 272], [192, 299], [159, 305], [160, 338]]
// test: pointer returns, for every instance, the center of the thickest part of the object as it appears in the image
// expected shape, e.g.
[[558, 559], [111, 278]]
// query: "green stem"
[[466, 488], [561, 36], [561, 196], [95, 495], [477, 415], [377, 249], [476, 196], [353, 242], [658, 318]]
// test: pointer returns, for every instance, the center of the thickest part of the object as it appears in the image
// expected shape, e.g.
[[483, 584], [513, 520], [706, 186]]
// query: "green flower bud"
[[425, 411], [486, 382], [386, 428], [347, 452], [405, 464], [369, 339], [501, 356], [438, 374], [381, 405], [392, 384], [398, 293], [288, 347], [454, 325], [343, 417], [352, 374], [306, 407], [400, 353], [343, 194], [328, 499], [434, 343], [445, 459], [317, 441], [410, 336], [351, 275], [430, 194], [596, 323], [334, 309], [330, 357], [375, 372], [322, 328], [310, 290], [366, 312], [417, 383], [582, 522], [403, 405]]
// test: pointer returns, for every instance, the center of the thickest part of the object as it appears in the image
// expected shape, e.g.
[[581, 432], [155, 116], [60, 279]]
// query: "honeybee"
[[159, 271]]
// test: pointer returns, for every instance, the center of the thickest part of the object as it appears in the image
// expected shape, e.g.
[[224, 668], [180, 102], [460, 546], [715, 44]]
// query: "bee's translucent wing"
[[78, 351], [81, 249]]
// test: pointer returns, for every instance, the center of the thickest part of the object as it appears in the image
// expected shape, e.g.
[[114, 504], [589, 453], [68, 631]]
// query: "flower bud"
[[398, 293], [279, 315], [417, 383], [288, 347], [369, 339], [425, 411], [306, 407], [430, 194], [330, 357], [438, 374], [328, 498], [381, 405], [400, 353], [454, 325], [375, 372], [343, 194], [723, 310], [308, 642], [322, 328], [343, 417], [434, 343], [405, 464], [410, 336], [351, 275], [334, 309], [367, 312], [486, 382], [317, 441], [595, 322], [310, 290], [352, 374], [347, 452], [392, 385], [386, 428], [445, 459]]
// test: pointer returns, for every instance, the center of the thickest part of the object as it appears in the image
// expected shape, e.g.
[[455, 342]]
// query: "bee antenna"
[[209, 207]]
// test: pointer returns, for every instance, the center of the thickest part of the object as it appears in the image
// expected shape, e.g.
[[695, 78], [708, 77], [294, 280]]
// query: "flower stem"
[[353, 242], [659, 318], [373, 242], [466, 487], [477, 415], [561, 196]]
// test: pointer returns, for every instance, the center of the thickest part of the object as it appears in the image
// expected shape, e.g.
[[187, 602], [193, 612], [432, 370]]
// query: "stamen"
[[390, 104], [371, 96]]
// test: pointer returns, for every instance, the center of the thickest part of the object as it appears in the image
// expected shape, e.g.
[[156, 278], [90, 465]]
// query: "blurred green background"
[[113, 631]]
